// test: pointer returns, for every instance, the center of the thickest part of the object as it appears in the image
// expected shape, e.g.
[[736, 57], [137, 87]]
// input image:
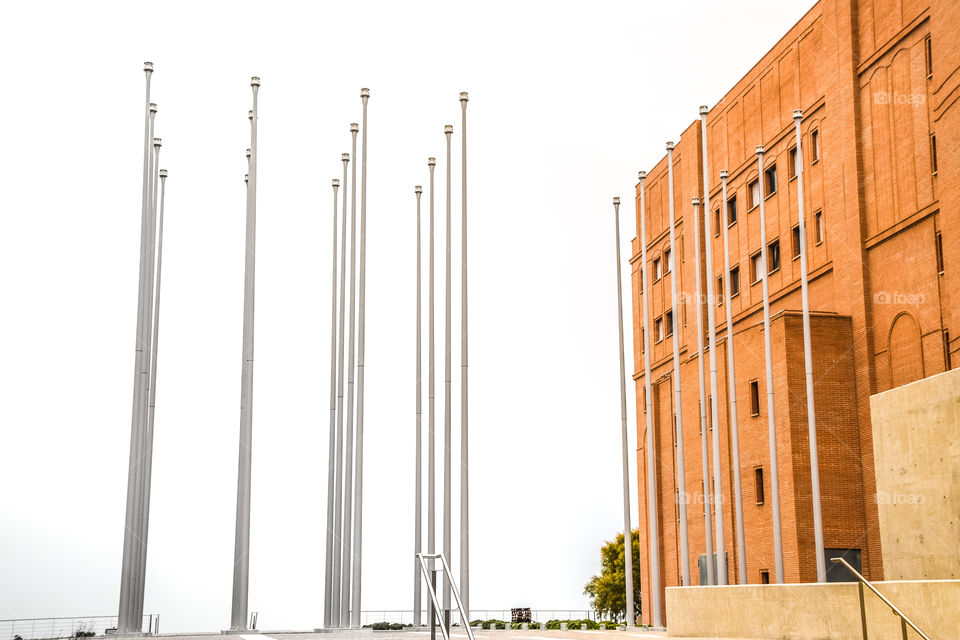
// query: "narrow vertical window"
[[658, 329], [939, 247], [773, 256], [795, 244], [667, 261], [716, 221], [933, 153], [732, 210], [668, 320], [754, 398], [818, 225], [814, 146], [755, 268], [792, 164], [928, 56], [720, 293], [657, 269], [770, 180], [753, 194], [758, 484], [734, 281]]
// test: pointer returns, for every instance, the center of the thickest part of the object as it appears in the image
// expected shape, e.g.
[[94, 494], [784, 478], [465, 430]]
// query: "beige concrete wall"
[[812, 611], [916, 445]]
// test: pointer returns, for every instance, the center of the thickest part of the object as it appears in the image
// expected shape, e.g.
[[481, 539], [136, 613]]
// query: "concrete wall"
[[812, 611], [916, 442]]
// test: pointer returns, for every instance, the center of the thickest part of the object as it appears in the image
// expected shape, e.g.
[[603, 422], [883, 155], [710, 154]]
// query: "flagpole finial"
[[759, 149], [255, 81], [797, 114], [723, 174], [463, 96], [448, 129], [163, 173], [418, 189], [345, 157], [364, 93], [704, 109], [148, 67], [642, 175], [431, 162], [616, 201], [153, 107], [670, 146], [156, 142], [354, 127], [695, 202], [336, 183]]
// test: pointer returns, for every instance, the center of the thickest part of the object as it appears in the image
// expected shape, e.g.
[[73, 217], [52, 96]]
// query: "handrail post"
[[863, 611]]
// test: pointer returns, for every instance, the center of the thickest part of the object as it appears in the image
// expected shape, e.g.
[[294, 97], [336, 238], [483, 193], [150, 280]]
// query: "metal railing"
[[861, 582], [405, 616], [427, 577], [46, 628]]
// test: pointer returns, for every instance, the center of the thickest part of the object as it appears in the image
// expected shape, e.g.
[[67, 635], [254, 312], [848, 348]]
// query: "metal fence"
[[405, 616], [44, 628]]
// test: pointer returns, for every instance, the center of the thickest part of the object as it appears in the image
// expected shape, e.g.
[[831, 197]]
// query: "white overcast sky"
[[568, 101]]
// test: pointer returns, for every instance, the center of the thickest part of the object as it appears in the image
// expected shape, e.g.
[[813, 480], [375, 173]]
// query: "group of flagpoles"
[[447, 496], [718, 573], [139, 473], [343, 569], [627, 528]]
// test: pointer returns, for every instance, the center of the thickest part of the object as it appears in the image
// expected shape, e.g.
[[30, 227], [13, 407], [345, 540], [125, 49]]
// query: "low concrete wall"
[[916, 449], [813, 611]]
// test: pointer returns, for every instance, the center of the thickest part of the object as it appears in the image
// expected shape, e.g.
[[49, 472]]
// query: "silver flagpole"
[[361, 321], [332, 439], [335, 620], [678, 407], [768, 353], [346, 563], [418, 457], [704, 434], [141, 524], [722, 570], [732, 389], [431, 409], [627, 528], [241, 554], [464, 467], [125, 621], [447, 374], [808, 363], [656, 618]]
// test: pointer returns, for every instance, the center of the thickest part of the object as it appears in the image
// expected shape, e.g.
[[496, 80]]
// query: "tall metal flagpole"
[[768, 353], [346, 563], [241, 553], [125, 621], [464, 466], [808, 362], [447, 374], [418, 457], [656, 618], [335, 620], [678, 406], [627, 528], [332, 439], [704, 435], [722, 571], [140, 541], [732, 390], [358, 471], [431, 409]]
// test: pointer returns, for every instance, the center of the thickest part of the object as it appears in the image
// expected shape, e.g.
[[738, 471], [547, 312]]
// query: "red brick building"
[[879, 83]]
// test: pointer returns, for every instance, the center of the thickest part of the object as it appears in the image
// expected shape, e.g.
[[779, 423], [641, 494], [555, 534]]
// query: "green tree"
[[607, 591]]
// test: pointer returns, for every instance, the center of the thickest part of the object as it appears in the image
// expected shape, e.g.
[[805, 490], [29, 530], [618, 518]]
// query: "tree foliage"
[[607, 591]]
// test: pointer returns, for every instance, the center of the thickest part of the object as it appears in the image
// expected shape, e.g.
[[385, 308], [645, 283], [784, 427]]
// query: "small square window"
[[818, 225], [720, 293], [734, 281], [770, 180], [758, 484], [754, 398], [753, 194], [773, 256], [795, 243], [732, 210], [668, 320], [658, 329], [755, 269], [814, 146], [765, 577]]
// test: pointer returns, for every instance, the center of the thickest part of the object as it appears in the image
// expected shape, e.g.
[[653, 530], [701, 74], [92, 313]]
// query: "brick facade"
[[878, 82]]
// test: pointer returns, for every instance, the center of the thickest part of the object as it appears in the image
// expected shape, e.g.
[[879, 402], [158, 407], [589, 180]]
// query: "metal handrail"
[[904, 620], [453, 588]]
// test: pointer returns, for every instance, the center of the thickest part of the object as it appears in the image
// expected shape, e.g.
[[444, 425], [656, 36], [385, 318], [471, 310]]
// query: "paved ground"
[[638, 634]]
